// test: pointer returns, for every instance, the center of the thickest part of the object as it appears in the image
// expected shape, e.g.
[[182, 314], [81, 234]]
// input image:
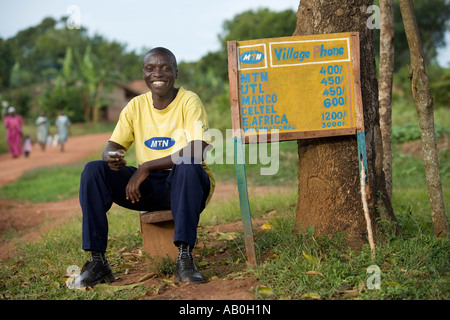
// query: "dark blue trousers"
[[184, 190]]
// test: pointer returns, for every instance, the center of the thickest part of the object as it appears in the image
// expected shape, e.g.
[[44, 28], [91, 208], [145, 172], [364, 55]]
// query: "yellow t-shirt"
[[160, 133]]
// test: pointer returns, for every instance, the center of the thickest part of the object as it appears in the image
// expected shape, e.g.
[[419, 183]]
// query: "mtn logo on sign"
[[251, 57], [159, 143]]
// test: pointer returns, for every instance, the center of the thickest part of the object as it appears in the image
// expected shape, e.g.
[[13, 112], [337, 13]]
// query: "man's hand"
[[132, 191], [116, 161]]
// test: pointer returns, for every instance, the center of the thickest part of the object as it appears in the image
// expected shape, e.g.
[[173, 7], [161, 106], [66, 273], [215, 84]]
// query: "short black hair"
[[163, 50]]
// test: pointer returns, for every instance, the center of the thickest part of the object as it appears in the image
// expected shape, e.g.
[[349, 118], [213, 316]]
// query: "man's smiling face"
[[160, 72]]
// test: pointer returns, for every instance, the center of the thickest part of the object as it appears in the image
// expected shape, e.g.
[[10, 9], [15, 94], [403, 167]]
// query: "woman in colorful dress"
[[13, 124]]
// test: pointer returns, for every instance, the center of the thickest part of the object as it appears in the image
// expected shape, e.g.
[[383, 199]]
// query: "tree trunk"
[[87, 105], [424, 106], [385, 86], [329, 198], [97, 105]]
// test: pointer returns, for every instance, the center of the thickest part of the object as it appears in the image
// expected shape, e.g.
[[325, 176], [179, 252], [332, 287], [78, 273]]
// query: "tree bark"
[[329, 198], [385, 86], [424, 106]]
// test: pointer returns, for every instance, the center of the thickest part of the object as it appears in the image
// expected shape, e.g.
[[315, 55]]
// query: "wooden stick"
[[366, 209]]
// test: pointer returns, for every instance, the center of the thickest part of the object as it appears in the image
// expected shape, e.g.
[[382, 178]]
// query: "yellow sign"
[[304, 86]]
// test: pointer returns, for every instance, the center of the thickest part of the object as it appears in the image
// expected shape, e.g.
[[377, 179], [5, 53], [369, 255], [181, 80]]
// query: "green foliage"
[[444, 164], [439, 85], [55, 59], [212, 90], [258, 24], [70, 99], [433, 19], [439, 82], [20, 98], [40, 48], [209, 76], [6, 62], [411, 131]]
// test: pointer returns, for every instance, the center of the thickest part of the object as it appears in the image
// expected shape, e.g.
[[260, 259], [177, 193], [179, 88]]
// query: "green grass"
[[285, 166], [411, 132], [409, 184], [404, 112], [39, 272], [413, 266], [45, 185], [225, 211], [52, 184]]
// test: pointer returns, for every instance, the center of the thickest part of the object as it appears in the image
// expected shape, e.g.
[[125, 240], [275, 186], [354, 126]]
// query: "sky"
[[189, 28]]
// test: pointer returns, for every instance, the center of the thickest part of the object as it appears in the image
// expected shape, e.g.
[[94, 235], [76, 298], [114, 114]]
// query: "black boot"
[[186, 270], [95, 271]]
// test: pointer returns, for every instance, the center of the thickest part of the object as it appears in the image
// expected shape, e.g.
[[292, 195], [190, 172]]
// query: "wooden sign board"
[[299, 87], [302, 86]]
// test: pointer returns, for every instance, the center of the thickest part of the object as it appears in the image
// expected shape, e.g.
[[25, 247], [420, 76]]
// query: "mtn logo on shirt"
[[159, 143]]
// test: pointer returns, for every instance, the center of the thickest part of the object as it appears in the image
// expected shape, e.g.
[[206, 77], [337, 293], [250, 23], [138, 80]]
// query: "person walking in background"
[[62, 124], [42, 130], [13, 124], [27, 146]]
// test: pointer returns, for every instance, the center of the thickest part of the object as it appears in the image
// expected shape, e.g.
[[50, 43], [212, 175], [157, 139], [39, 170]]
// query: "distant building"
[[120, 95]]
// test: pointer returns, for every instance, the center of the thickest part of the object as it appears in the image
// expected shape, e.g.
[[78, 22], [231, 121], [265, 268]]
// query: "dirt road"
[[31, 220], [77, 148]]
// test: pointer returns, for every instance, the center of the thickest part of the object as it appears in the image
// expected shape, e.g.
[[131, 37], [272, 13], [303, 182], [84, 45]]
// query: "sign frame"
[[241, 138]]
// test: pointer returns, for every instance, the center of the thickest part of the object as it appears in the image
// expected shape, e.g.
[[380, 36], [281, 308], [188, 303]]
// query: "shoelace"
[[185, 258]]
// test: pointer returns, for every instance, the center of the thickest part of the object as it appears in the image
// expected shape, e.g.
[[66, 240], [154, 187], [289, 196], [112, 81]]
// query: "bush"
[[411, 132], [70, 99]]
